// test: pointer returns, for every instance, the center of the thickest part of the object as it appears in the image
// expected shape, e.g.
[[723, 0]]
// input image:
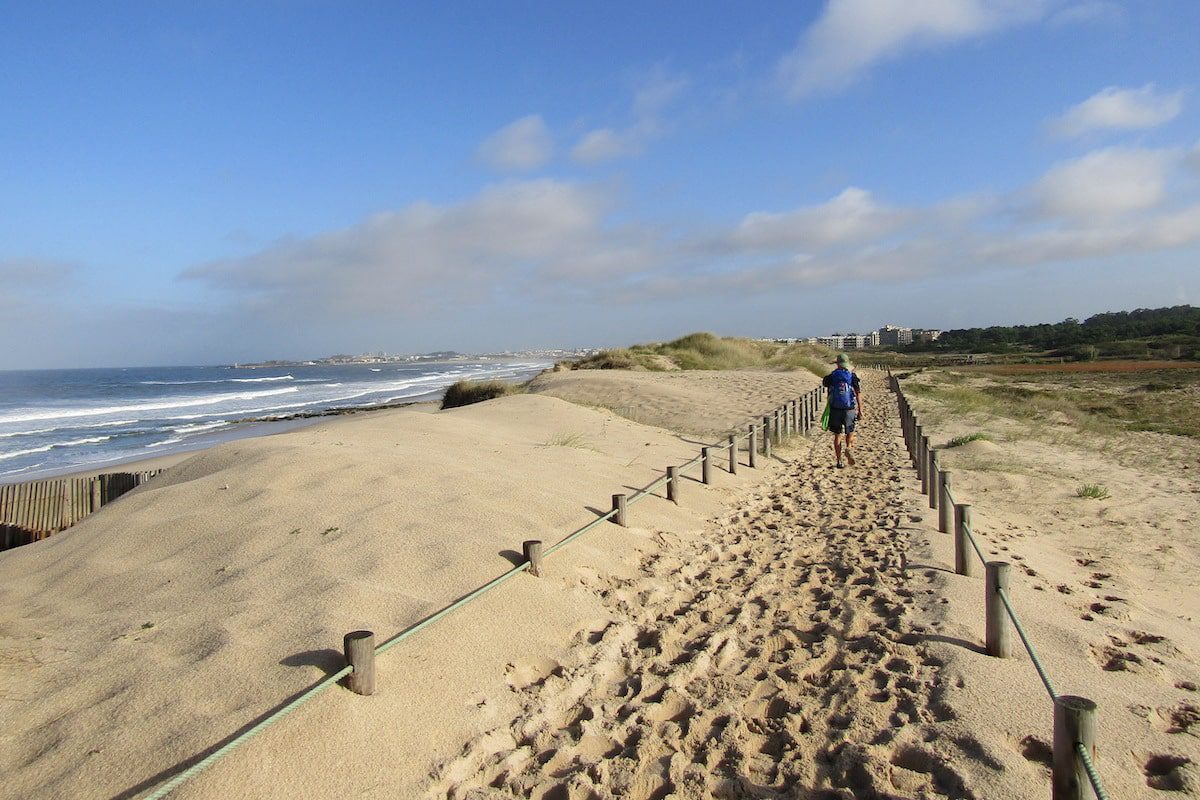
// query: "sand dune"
[[788, 632], [160, 626]]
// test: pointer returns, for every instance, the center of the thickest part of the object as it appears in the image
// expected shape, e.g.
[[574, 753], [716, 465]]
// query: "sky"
[[205, 183]]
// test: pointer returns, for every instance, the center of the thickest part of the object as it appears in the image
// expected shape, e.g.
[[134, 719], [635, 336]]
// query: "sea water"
[[57, 421]]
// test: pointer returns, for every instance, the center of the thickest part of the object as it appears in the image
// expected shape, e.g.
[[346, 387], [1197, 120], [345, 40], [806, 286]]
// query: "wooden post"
[[795, 411], [1074, 721], [752, 447], [360, 654], [621, 517], [532, 548], [673, 484], [706, 465], [996, 634], [776, 433], [964, 563], [945, 507], [733, 451], [921, 458], [934, 468], [766, 437]]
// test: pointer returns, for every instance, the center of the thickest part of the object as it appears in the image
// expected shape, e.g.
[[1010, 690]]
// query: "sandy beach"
[[791, 631]]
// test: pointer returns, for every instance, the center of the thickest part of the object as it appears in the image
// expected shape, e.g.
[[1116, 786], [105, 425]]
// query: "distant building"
[[893, 336], [925, 335]]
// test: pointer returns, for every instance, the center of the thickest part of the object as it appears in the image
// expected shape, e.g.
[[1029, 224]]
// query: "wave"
[[167, 403], [164, 441], [220, 380], [73, 443], [205, 426], [35, 432]]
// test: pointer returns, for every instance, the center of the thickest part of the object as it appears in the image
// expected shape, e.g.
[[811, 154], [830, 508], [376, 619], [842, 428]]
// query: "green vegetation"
[[328, 531], [1166, 333], [959, 441], [464, 393], [1165, 401], [699, 351], [147, 626], [1092, 491]]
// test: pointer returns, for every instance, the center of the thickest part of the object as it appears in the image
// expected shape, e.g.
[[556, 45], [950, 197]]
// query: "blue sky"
[[205, 183]]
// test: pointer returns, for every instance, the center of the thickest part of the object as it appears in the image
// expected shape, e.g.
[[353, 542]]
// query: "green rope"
[[459, 603], [250, 733], [1090, 769], [1037, 662], [974, 544], [581, 531], [646, 492]]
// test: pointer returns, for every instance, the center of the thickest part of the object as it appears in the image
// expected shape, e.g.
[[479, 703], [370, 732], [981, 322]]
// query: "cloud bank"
[[557, 240]]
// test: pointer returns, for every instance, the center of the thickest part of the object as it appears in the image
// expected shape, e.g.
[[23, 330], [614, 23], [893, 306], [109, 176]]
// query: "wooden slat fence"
[[34, 510]]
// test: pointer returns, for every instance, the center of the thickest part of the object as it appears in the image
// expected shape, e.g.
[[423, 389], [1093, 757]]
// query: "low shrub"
[[1093, 491], [959, 441], [464, 393]]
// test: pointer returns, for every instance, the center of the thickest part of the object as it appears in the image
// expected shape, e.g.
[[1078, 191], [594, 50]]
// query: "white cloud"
[[1114, 108], [1104, 183], [851, 217], [521, 145], [853, 35], [604, 144], [655, 94], [425, 257]]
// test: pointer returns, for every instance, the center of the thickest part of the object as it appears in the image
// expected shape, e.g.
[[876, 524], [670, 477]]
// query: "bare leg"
[[837, 446], [849, 444]]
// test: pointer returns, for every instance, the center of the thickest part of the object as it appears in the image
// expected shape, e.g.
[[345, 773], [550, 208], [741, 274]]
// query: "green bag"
[[825, 416]]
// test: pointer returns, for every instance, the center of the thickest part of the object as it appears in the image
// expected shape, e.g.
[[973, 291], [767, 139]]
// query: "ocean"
[[58, 421]]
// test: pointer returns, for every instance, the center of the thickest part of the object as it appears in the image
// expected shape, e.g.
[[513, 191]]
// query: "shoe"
[[849, 458], [840, 465]]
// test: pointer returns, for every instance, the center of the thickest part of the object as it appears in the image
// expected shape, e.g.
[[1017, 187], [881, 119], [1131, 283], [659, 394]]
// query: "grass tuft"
[[1093, 491], [568, 440], [464, 393], [959, 441]]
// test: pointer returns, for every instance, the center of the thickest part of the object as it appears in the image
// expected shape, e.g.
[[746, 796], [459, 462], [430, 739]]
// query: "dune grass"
[[959, 441], [705, 351], [1099, 404], [564, 439], [1093, 491], [464, 393]]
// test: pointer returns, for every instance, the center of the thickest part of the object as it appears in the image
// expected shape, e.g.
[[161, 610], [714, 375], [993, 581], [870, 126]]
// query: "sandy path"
[[775, 654]]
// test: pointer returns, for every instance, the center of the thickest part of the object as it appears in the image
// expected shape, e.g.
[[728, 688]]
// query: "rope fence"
[[794, 417], [1073, 769]]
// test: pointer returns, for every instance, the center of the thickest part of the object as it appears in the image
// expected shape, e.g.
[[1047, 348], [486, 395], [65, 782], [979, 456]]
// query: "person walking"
[[845, 406]]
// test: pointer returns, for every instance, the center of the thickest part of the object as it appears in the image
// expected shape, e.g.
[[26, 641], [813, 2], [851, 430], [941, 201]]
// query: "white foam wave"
[[166, 403], [73, 443], [164, 441], [35, 432], [206, 426], [219, 380]]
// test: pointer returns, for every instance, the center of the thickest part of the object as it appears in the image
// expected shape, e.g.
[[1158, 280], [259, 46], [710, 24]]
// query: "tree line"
[[1141, 331]]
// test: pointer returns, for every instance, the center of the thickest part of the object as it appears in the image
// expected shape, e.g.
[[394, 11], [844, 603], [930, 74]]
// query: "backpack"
[[841, 390]]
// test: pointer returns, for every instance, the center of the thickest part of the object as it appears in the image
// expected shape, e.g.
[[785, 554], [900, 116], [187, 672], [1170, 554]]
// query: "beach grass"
[[464, 393], [707, 351], [1093, 491], [568, 440], [959, 441], [1099, 403]]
